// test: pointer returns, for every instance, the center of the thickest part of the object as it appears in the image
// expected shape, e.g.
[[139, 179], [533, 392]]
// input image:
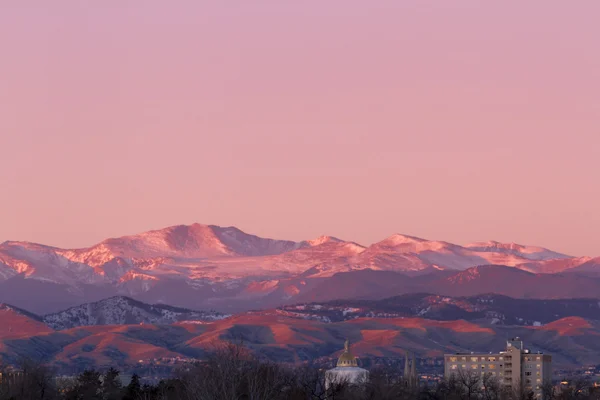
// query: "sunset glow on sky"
[[454, 120]]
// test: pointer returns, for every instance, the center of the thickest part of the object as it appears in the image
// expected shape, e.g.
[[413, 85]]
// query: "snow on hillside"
[[243, 244], [123, 310], [6, 271], [45, 263], [220, 263], [206, 251], [528, 252]]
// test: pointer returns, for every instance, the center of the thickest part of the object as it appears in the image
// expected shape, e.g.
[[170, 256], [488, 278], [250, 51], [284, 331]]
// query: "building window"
[[474, 359], [453, 359], [454, 366], [492, 359], [474, 366], [538, 358], [492, 366]]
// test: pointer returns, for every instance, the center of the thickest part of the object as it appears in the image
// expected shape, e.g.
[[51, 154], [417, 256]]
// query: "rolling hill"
[[284, 338]]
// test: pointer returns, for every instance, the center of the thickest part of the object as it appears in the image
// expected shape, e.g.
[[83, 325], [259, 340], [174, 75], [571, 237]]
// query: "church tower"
[[410, 370]]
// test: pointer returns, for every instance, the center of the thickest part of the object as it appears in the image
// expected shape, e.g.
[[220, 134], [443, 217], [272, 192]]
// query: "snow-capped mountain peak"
[[243, 244], [411, 244], [398, 239], [527, 252], [323, 239], [199, 265]]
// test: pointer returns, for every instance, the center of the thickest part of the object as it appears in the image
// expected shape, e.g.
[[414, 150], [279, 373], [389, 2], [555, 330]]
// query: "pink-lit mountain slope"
[[533, 253], [205, 266], [16, 324], [571, 341]]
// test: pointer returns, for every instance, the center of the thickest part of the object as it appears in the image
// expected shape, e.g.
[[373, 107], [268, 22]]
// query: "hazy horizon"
[[459, 122]]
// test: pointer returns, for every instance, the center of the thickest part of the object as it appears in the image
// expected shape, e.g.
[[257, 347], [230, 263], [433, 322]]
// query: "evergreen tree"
[[89, 385], [111, 385], [134, 389]]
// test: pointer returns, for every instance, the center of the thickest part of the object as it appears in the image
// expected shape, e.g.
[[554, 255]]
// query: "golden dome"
[[347, 359]]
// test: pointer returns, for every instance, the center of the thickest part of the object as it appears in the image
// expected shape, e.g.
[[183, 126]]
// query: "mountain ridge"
[[123, 310], [225, 267]]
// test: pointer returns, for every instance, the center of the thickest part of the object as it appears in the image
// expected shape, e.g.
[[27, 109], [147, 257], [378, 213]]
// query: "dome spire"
[[347, 359], [347, 370]]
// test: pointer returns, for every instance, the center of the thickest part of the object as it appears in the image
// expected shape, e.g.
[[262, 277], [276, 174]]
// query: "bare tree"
[[265, 381], [520, 391], [491, 387], [30, 381], [310, 383], [469, 384], [386, 383]]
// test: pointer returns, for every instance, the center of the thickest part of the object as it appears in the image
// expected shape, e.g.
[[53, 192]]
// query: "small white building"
[[346, 371]]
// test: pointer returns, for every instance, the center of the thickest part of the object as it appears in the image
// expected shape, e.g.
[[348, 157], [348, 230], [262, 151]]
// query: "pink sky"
[[453, 120]]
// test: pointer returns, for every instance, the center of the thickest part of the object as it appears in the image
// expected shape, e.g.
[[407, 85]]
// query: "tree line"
[[231, 372]]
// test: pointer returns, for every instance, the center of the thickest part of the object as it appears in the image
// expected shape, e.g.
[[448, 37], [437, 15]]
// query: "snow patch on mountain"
[[220, 264], [122, 310], [323, 239], [245, 244], [528, 252]]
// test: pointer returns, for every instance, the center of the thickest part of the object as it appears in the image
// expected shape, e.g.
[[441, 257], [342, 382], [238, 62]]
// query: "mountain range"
[[125, 333], [223, 268], [488, 309]]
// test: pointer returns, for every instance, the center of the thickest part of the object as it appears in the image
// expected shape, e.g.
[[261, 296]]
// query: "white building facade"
[[346, 371]]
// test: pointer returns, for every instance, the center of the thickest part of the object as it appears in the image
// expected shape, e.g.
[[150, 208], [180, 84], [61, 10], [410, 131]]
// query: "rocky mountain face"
[[210, 267], [124, 311]]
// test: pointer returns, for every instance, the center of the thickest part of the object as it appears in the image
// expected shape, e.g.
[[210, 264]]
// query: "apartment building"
[[512, 367]]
